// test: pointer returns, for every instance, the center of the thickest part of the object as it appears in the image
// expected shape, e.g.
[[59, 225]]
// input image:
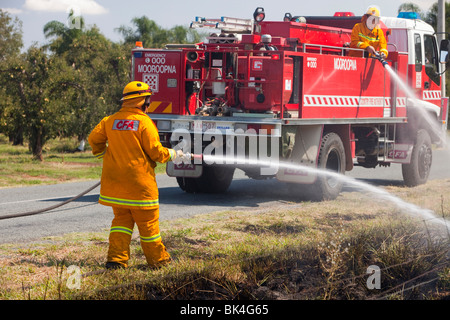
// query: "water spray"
[[423, 107], [403, 206]]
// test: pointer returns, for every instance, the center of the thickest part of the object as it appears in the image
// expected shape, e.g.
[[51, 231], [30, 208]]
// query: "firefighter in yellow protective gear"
[[368, 35], [129, 144]]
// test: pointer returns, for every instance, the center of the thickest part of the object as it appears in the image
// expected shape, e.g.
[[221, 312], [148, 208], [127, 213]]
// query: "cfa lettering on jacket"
[[130, 125]]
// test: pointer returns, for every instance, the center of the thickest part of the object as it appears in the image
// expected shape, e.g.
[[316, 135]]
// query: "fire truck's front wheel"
[[418, 170], [331, 158]]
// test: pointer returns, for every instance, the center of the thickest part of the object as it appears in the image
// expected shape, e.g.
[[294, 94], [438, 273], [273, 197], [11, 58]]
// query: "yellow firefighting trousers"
[[122, 230]]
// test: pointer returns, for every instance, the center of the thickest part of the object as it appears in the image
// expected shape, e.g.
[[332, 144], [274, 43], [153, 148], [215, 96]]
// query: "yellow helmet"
[[373, 11], [136, 89]]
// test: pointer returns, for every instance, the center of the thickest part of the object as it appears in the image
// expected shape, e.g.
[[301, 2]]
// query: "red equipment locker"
[[273, 81], [162, 71]]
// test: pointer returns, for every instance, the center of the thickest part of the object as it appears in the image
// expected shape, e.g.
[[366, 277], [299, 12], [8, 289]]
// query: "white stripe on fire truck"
[[431, 95], [350, 101]]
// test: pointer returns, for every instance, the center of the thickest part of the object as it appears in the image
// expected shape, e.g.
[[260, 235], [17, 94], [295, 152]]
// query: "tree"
[[38, 85], [100, 69], [63, 35], [10, 45], [153, 36], [432, 14], [10, 35], [146, 31]]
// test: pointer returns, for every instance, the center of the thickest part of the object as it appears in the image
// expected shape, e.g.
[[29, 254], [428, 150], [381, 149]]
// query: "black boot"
[[114, 265]]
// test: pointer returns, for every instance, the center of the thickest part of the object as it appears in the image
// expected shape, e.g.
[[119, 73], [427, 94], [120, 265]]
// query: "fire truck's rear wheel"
[[187, 184], [417, 172], [215, 179], [331, 158]]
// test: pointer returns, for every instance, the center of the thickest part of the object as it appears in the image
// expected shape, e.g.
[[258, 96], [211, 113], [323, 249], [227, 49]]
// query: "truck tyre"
[[418, 170], [215, 179], [188, 185], [332, 158]]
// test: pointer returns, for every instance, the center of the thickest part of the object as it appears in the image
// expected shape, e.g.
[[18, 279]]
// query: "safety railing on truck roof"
[[320, 48], [333, 49]]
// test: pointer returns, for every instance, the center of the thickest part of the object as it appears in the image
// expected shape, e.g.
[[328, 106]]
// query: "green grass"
[[300, 251], [61, 164]]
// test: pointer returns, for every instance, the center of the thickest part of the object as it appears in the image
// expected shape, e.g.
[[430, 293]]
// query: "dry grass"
[[303, 250]]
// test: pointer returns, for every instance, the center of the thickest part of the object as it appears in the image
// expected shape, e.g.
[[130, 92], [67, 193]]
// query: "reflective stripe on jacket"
[[128, 142], [362, 37]]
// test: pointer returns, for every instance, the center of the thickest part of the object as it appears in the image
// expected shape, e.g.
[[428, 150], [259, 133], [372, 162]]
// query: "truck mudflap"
[[401, 153], [184, 170], [304, 153]]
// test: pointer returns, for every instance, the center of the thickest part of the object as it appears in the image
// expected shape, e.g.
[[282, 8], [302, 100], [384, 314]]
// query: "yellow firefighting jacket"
[[362, 37], [128, 142]]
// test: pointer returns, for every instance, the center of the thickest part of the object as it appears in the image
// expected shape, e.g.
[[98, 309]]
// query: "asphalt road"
[[85, 214]]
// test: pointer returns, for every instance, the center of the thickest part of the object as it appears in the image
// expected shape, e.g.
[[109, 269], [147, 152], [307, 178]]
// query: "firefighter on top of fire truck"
[[368, 35], [129, 144]]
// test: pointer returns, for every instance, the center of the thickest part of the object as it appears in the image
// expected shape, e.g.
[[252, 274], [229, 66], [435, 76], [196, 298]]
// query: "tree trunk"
[[17, 137], [36, 145]]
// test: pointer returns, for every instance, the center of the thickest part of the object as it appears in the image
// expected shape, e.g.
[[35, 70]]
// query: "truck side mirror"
[[444, 52]]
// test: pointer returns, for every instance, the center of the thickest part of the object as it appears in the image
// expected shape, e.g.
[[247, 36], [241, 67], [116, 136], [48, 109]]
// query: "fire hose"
[[24, 214], [380, 58]]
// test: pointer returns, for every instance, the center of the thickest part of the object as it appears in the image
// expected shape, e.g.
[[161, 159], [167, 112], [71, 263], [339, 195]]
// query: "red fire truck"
[[291, 84]]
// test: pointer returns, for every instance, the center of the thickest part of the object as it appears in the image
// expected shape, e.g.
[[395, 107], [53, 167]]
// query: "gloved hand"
[[383, 55], [182, 157], [371, 50]]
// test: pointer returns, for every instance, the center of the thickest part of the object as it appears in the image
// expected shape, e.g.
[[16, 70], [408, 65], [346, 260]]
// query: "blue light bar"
[[409, 15]]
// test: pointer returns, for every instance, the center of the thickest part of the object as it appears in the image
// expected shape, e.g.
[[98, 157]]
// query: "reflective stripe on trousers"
[[121, 229], [151, 239], [128, 202]]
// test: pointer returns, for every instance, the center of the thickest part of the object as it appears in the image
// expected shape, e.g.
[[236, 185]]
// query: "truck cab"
[[418, 39]]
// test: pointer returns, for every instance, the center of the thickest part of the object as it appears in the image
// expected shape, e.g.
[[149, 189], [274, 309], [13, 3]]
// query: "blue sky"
[[108, 15]]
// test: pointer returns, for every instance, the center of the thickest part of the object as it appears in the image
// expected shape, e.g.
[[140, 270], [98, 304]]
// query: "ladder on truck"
[[386, 142], [226, 24]]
